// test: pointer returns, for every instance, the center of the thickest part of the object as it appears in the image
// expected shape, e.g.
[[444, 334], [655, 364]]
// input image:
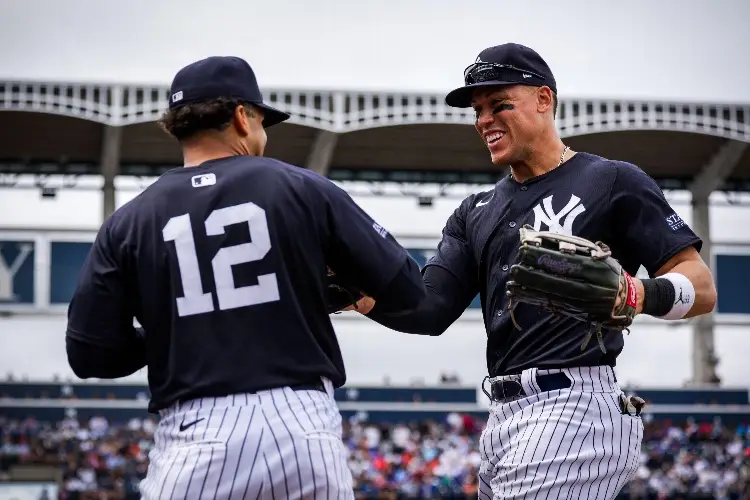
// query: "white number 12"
[[194, 300]]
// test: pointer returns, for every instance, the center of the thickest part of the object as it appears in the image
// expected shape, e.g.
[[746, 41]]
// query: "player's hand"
[[364, 305], [339, 295]]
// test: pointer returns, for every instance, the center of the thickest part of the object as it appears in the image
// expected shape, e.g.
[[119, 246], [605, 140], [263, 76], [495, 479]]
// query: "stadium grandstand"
[[62, 438]]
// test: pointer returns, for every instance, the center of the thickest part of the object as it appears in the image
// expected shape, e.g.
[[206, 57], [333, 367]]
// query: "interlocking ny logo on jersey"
[[558, 222]]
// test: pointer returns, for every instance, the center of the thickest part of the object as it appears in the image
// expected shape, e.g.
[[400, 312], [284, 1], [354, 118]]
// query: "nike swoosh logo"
[[483, 203], [184, 426]]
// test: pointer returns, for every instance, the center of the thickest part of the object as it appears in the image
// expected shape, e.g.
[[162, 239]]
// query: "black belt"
[[316, 385], [309, 386], [507, 389]]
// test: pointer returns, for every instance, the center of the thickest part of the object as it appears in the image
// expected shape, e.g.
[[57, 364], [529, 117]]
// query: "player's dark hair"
[[186, 121]]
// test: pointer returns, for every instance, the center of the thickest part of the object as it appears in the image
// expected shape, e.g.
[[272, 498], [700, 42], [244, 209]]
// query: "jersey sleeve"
[[443, 303], [454, 251], [361, 251], [100, 311], [648, 227]]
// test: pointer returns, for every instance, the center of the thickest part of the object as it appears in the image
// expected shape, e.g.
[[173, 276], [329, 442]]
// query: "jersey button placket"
[[512, 224]]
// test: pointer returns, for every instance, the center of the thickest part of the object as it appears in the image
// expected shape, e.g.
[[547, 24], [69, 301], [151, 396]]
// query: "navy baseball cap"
[[507, 64], [219, 76]]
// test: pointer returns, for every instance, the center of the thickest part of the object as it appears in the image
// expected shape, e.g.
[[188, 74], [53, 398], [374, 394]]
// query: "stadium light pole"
[[110, 165], [321, 152]]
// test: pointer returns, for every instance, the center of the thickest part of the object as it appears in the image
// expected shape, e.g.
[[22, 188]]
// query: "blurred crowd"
[[707, 461], [103, 461], [697, 461]]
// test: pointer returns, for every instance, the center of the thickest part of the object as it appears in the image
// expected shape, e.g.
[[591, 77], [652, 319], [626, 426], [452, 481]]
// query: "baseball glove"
[[339, 296], [574, 277]]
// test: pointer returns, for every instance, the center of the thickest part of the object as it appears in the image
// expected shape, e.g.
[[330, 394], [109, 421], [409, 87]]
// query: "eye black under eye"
[[503, 107], [496, 108]]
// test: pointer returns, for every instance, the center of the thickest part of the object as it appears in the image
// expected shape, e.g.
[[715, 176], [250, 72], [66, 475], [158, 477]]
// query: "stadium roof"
[[57, 127]]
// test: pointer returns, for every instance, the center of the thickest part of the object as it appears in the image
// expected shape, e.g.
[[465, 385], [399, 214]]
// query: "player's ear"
[[544, 99], [241, 119]]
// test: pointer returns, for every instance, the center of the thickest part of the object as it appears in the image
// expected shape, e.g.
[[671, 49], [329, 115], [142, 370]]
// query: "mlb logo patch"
[[177, 96], [203, 180]]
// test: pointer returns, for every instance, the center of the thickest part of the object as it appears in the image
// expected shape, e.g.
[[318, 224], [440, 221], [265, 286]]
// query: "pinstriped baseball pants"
[[573, 443], [276, 444]]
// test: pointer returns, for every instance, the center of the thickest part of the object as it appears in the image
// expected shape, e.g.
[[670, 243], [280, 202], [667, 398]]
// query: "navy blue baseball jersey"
[[587, 196], [224, 266]]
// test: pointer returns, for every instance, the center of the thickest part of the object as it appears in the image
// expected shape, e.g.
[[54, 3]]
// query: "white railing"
[[346, 111]]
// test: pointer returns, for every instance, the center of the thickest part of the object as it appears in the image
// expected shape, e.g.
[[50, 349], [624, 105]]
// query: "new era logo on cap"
[[177, 96]]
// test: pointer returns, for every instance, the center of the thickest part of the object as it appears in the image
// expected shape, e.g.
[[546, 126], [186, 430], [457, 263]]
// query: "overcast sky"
[[675, 49]]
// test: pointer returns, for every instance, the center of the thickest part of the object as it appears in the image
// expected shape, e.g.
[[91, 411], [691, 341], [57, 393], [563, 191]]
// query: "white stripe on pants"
[[274, 444], [563, 444]]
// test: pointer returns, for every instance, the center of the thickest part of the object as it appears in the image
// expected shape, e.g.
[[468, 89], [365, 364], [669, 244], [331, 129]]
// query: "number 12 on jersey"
[[194, 301]]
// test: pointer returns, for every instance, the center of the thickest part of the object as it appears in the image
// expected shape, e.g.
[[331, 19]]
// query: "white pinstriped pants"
[[276, 444], [573, 443]]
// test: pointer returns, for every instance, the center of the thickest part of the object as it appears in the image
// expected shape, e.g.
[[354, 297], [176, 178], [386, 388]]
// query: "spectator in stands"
[[105, 460]]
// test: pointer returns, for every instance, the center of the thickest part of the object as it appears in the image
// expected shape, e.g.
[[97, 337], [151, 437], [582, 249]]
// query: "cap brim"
[[461, 97], [271, 116]]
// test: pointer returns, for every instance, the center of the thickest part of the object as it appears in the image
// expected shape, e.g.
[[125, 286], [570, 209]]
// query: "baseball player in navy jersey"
[[559, 425], [225, 265]]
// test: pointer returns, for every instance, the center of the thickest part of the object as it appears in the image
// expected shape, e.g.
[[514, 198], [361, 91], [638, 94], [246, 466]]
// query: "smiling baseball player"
[[559, 427]]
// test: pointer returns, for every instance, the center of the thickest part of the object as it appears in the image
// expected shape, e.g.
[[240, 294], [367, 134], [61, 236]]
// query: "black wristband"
[[658, 296]]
